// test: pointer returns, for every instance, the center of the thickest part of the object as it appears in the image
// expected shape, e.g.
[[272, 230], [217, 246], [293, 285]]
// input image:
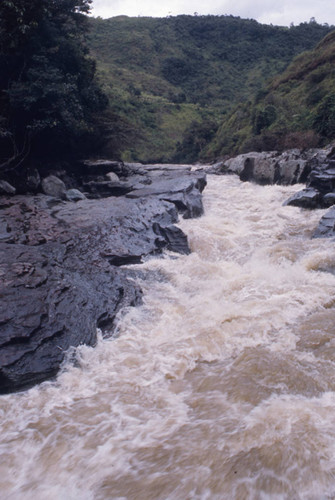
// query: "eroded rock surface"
[[61, 263], [289, 167], [313, 167]]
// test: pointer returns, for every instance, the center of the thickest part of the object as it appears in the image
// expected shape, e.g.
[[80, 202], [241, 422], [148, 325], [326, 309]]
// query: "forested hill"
[[171, 81], [296, 109]]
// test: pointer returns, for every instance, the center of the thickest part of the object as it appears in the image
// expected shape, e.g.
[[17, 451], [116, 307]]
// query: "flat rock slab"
[[62, 274], [177, 185]]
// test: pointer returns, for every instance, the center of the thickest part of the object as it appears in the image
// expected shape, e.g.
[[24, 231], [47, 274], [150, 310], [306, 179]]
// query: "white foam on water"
[[219, 386]]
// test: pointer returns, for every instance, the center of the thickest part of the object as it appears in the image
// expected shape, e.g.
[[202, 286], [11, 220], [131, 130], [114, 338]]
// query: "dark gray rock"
[[53, 186], [64, 267], [104, 189], [33, 180], [322, 178], [184, 191], [112, 177], [291, 171], [329, 199], [218, 168], [6, 188], [319, 175], [326, 227], [306, 198], [102, 167], [289, 167], [173, 238], [74, 195]]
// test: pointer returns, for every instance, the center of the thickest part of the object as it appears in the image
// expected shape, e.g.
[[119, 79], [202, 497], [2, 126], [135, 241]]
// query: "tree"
[[324, 120], [196, 137], [48, 91], [263, 118]]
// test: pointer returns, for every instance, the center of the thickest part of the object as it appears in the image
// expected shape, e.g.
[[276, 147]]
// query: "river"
[[221, 386]]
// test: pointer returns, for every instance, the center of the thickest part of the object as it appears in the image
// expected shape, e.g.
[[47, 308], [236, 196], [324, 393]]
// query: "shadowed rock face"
[[289, 167], [315, 167], [61, 273], [306, 198], [326, 227]]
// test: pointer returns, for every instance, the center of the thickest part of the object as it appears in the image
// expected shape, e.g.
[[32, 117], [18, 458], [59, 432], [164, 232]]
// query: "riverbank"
[[61, 262], [313, 167], [221, 385], [63, 250]]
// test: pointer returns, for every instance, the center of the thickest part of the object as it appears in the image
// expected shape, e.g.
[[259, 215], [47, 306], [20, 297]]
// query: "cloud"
[[277, 12]]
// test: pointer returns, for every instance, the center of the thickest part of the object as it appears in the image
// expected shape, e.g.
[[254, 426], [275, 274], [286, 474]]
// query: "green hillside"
[[171, 81], [296, 109]]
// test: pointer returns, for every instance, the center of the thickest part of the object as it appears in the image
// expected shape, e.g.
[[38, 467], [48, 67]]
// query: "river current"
[[221, 386]]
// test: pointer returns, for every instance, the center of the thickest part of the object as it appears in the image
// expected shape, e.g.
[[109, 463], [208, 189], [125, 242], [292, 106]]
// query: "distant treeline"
[[170, 89], [174, 81]]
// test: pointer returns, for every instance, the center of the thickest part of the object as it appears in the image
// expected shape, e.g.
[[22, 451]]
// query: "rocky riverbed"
[[61, 261], [313, 167], [66, 248]]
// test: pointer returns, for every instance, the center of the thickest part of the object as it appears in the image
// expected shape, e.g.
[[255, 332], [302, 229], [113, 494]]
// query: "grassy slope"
[[303, 100], [162, 75]]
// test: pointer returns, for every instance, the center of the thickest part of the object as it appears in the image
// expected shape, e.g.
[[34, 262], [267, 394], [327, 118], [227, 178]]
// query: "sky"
[[276, 12]]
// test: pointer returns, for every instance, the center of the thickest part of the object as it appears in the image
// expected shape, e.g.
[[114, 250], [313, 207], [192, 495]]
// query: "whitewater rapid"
[[221, 386]]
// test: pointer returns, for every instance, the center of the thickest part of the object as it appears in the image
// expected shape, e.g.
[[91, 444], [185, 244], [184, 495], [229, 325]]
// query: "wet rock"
[[287, 168], [74, 195], [6, 188], [329, 199], [104, 189], [326, 227], [33, 180], [53, 186], [64, 267], [184, 191], [218, 168], [291, 171], [320, 180], [102, 167], [112, 177], [175, 239], [322, 177], [306, 198]]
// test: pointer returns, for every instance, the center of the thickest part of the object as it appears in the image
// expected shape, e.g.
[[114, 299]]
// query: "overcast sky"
[[277, 12]]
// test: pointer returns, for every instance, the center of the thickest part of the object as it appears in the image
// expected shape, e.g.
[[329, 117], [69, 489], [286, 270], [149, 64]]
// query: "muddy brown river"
[[221, 386]]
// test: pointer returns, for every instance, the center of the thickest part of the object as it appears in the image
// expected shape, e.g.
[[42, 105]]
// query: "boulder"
[[326, 227], [183, 190], [240, 163], [112, 177], [287, 168], [53, 186], [306, 198], [74, 195], [256, 167], [6, 188], [322, 177], [102, 167], [218, 168], [291, 171], [33, 180], [329, 199], [172, 238]]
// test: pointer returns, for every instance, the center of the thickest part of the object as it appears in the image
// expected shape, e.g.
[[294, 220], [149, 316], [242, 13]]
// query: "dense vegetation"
[[48, 93], [296, 109], [173, 81], [179, 88]]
